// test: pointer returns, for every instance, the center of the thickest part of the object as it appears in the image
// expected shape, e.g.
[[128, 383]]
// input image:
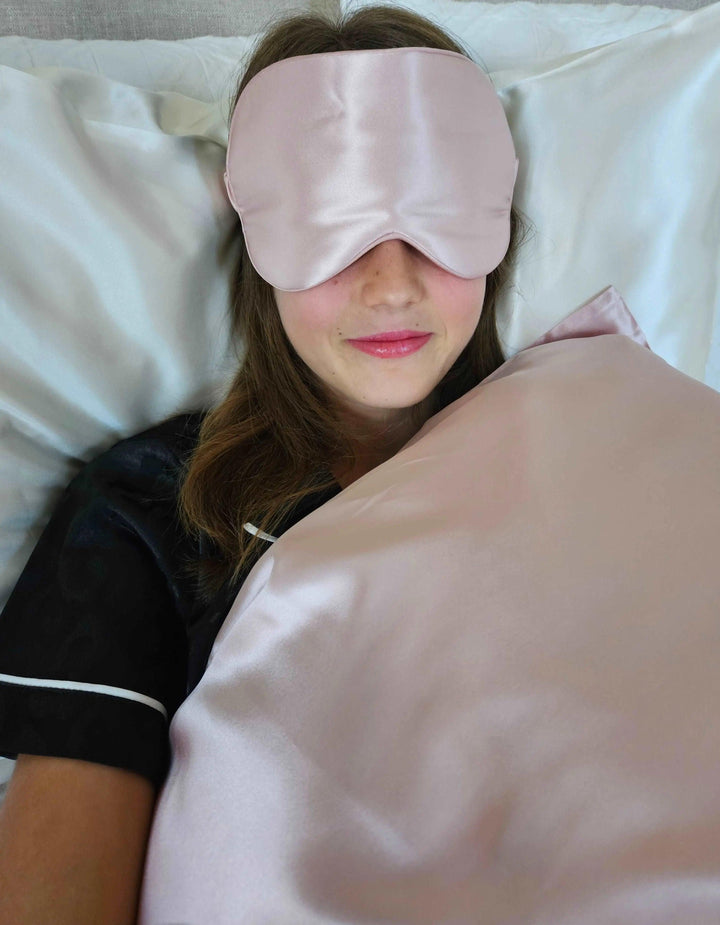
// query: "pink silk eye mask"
[[480, 685], [330, 154]]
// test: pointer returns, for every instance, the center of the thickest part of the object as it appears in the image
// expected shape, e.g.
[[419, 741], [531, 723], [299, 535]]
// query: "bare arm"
[[73, 836]]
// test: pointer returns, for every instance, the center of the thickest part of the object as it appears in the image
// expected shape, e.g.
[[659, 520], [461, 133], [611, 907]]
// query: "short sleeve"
[[93, 644]]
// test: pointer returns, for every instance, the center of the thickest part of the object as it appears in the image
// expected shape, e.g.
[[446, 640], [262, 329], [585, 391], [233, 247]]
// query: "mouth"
[[389, 336], [383, 346]]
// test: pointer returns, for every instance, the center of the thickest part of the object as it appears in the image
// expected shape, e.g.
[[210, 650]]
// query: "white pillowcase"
[[202, 68], [506, 35], [112, 207], [113, 292], [525, 35]]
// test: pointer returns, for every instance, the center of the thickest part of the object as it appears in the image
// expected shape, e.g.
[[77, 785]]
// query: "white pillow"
[[113, 302], [506, 35], [203, 68], [524, 34], [112, 291], [618, 150]]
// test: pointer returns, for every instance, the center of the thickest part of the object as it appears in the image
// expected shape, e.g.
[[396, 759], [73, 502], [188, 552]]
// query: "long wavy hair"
[[271, 440]]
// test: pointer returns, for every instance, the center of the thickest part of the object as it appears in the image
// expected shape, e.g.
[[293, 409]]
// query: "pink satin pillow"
[[481, 685]]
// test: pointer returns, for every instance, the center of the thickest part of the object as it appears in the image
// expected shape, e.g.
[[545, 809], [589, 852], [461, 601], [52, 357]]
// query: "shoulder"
[[112, 552], [152, 457], [171, 439]]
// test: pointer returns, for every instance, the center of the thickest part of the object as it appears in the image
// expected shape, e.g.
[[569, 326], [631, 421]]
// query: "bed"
[[114, 262]]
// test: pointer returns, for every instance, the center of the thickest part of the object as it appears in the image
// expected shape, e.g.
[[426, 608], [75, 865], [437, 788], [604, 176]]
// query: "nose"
[[390, 272]]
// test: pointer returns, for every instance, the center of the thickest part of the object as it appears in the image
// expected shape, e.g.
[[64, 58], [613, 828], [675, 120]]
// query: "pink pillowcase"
[[481, 684]]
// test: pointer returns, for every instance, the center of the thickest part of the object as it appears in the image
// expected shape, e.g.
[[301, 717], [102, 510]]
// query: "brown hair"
[[271, 439]]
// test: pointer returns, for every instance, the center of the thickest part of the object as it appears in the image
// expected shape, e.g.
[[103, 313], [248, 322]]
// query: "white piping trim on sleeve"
[[251, 528], [84, 686]]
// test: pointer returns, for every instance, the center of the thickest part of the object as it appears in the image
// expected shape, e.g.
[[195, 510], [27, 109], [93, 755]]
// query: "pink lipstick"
[[391, 343]]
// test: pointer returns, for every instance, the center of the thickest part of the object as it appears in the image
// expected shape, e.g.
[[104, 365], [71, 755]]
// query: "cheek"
[[307, 320], [465, 307]]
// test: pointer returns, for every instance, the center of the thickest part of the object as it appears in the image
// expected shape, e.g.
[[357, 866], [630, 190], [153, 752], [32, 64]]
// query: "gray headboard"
[[166, 19], [161, 19]]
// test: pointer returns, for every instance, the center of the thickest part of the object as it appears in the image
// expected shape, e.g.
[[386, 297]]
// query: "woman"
[[129, 584]]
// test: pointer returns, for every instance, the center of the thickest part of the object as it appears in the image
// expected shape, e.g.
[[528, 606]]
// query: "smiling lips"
[[391, 343], [393, 335]]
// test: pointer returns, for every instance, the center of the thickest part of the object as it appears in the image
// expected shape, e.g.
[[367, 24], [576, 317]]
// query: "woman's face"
[[392, 287]]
